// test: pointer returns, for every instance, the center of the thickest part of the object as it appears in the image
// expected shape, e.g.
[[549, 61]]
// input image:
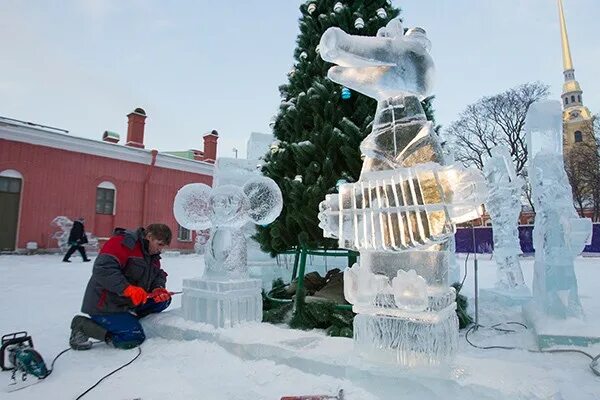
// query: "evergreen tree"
[[319, 126]]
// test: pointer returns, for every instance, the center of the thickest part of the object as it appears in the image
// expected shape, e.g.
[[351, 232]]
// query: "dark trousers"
[[125, 328], [72, 250]]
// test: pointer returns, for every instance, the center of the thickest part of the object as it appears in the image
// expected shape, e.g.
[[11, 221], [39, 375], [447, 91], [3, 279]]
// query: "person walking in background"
[[77, 238], [127, 284]]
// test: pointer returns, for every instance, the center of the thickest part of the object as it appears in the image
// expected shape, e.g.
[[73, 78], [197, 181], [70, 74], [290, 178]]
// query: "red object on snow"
[[340, 396]]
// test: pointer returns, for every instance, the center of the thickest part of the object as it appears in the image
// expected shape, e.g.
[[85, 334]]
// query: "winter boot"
[[82, 329]]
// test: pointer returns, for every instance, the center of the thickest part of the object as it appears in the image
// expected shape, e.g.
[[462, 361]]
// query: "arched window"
[[572, 98], [106, 198], [10, 181], [578, 136], [566, 100], [579, 98]]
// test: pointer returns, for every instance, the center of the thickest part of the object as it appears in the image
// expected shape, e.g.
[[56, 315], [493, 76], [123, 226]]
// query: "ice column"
[[400, 214], [559, 234], [225, 296], [504, 206]]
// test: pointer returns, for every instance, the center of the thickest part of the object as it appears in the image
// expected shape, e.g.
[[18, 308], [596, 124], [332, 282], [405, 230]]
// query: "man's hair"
[[160, 232]]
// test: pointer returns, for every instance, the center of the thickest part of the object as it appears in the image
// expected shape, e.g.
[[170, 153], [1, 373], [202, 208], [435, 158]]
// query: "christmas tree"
[[320, 124]]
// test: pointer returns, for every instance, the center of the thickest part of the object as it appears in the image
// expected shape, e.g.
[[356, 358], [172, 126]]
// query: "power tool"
[[18, 355]]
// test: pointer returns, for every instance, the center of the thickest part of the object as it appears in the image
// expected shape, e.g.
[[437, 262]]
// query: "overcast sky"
[[194, 66]]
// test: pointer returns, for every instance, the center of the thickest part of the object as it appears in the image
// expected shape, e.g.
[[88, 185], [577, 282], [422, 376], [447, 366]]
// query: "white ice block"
[[222, 304]]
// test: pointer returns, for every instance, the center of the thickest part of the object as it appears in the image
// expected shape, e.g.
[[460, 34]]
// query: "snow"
[[40, 294]]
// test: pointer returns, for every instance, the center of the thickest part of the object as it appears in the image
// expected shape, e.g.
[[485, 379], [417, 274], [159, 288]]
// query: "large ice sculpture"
[[559, 234], [504, 207], [400, 214], [225, 296]]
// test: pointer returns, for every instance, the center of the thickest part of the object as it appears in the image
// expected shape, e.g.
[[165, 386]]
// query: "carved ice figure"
[[225, 296], [400, 214], [225, 210], [504, 207], [410, 291], [559, 234]]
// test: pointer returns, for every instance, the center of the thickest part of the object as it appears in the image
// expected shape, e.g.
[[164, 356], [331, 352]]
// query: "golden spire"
[[566, 51]]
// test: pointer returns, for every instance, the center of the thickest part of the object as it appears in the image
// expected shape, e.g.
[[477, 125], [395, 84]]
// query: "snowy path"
[[40, 294]]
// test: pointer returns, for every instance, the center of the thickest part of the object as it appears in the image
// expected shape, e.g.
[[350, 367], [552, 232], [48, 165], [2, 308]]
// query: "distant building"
[[577, 118], [45, 173]]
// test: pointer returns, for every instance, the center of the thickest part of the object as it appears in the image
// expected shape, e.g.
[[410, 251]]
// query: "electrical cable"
[[101, 379], [109, 374], [53, 361], [594, 364]]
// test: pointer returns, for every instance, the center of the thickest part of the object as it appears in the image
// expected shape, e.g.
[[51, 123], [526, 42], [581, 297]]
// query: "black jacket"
[[77, 234]]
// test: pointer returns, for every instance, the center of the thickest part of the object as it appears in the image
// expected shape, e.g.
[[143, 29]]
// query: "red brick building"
[[45, 173]]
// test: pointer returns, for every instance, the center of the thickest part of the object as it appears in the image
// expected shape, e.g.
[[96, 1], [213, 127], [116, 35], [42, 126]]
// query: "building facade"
[[45, 173]]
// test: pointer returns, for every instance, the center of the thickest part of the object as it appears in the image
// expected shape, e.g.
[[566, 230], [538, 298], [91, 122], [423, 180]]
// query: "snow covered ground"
[[40, 294]]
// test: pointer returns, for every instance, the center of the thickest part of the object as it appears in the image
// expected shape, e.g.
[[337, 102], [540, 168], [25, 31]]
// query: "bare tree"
[[576, 168], [492, 121], [582, 163]]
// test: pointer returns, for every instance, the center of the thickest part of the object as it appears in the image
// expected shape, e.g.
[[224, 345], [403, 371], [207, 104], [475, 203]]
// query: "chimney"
[[135, 128], [110, 137], [210, 146]]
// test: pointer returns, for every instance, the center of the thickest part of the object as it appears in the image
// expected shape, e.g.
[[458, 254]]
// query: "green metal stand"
[[299, 269]]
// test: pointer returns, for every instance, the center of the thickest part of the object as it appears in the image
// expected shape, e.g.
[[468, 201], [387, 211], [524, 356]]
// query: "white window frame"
[[110, 186]]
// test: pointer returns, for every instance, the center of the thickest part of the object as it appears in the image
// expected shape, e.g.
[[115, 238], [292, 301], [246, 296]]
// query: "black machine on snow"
[[18, 355]]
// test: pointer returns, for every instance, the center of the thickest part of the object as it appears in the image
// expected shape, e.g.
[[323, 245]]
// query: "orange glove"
[[160, 294], [136, 294]]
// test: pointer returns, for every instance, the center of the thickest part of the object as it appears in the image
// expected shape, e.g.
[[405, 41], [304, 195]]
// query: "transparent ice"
[[559, 234], [225, 209], [400, 215], [225, 295], [504, 207]]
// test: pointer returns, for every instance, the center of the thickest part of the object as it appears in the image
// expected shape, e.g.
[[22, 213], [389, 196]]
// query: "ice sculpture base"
[[468, 377], [222, 303], [550, 332], [506, 298], [426, 339]]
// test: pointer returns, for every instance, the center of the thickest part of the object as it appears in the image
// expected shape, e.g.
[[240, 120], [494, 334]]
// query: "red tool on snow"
[[340, 396]]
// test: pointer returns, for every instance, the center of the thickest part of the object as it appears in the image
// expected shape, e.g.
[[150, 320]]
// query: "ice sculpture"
[[400, 214], [504, 207], [559, 234], [225, 296]]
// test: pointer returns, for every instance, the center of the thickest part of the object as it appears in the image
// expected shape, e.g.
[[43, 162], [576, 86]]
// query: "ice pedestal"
[[222, 303], [428, 339]]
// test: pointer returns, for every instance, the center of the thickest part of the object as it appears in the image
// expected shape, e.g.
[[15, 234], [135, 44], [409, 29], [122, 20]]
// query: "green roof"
[[189, 154]]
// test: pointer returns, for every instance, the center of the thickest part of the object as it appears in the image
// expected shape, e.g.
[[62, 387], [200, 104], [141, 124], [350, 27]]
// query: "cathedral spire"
[[572, 92], [577, 118], [566, 51]]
